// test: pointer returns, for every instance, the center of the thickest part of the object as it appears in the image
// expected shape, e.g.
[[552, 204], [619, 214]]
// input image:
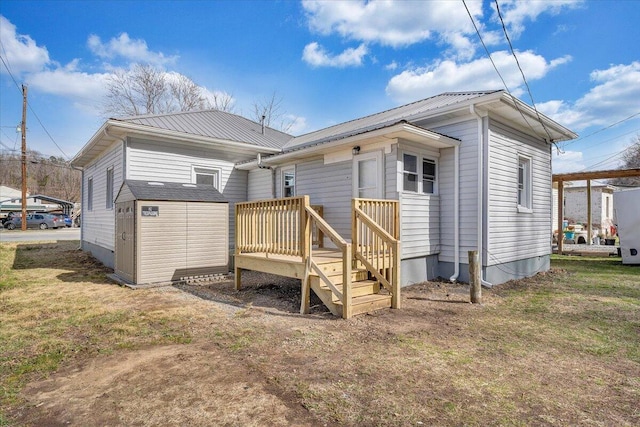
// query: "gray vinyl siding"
[[517, 235], [196, 240], [99, 223], [259, 184], [467, 132], [391, 166], [420, 223], [158, 161], [331, 187]]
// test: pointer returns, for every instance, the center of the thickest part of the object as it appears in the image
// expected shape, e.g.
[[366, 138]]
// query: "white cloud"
[[298, 124], [516, 12], [448, 75], [21, 52], [567, 161], [614, 97], [391, 66], [316, 56], [135, 50]]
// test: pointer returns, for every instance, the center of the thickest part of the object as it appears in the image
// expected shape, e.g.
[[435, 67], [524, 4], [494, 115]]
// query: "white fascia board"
[[391, 133]]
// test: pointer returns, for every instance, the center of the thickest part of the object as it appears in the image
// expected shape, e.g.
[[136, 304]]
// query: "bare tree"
[[274, 116], [147, 90], [631, 158]]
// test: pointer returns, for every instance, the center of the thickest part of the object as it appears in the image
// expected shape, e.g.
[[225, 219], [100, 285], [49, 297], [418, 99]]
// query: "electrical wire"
[[6, 65], [601, 130], [495, 67]]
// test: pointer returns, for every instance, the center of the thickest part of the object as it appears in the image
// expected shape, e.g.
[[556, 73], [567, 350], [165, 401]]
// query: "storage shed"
[[170, 232]]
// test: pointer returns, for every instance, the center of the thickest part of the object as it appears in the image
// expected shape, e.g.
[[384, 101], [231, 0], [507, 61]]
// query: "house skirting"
[[102, 254], [416, 270]]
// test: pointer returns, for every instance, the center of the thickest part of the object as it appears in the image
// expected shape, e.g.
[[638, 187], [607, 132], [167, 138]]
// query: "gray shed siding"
[[98, 223], [159, 161], [514, 235], [190, 246]]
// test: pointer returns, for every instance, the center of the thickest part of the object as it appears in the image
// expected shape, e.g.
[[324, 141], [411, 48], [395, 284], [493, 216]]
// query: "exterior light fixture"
[[355, 150]]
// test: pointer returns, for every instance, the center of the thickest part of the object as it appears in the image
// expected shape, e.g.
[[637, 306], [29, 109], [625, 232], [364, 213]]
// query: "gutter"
[[481, 197]]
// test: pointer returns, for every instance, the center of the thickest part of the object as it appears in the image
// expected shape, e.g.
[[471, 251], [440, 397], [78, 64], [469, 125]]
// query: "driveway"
[[39, 235]]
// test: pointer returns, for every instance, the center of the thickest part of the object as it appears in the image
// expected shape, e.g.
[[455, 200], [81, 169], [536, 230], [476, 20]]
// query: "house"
[[575, 207], [469, 172]]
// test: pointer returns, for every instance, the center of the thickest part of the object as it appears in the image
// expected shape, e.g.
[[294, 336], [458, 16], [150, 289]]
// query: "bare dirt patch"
[[537, 352]]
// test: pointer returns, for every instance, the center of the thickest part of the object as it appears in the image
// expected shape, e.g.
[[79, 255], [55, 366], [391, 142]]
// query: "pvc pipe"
[[456, 213]]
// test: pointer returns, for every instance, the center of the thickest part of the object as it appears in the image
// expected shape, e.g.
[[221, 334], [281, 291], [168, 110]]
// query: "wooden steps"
[[365, 293]]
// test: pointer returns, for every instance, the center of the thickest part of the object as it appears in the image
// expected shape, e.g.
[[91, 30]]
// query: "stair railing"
[[345, 247], [376, 244]]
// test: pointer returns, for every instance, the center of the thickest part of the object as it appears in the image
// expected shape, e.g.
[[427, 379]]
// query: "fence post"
[[475, 277]]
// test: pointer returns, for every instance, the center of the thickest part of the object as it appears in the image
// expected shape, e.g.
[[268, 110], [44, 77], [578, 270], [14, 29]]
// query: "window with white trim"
[[90, 194], [206, 176], [288, 182], [109, 195], [418, 174], [524, 184]]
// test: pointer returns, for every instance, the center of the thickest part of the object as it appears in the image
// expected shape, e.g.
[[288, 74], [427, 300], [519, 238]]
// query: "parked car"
[[65, 218], [41, 221]]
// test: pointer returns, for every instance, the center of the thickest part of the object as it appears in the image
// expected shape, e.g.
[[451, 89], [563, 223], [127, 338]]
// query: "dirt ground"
[[254, 361]]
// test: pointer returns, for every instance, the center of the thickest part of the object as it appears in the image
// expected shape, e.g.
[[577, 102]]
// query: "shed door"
[[125, 240]]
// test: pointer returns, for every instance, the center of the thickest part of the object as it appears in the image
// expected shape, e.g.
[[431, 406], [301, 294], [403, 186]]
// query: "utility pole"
[[24, 158]]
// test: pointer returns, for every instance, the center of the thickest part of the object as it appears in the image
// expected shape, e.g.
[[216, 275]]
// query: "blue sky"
[[329, 62]]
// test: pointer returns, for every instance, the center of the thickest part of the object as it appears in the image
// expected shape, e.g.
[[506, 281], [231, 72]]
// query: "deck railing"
[[272, 226], [375, 239]]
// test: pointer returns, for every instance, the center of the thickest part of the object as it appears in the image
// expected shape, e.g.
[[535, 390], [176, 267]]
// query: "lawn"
[[562, 348]]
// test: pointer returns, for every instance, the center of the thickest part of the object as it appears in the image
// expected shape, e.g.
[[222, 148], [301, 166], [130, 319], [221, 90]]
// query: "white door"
[[368, 176]]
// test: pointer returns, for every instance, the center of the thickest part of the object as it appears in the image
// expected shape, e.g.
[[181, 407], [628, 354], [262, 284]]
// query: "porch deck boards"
[[284, 265]]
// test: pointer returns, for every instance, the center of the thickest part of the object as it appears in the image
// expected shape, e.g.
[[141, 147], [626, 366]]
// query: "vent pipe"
[[263, 118]]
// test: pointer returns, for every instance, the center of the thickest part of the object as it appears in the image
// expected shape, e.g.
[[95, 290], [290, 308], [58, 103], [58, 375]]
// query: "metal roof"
[[384, 118], [215, 124], [172, 191]]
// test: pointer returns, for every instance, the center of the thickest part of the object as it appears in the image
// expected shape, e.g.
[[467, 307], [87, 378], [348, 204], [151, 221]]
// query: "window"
[[90, 194], [109, 198], [206, 176], [288, 182], [419, 174], [524, 184]]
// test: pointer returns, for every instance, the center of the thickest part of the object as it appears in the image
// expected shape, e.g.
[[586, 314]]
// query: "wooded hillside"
[[51, 176]]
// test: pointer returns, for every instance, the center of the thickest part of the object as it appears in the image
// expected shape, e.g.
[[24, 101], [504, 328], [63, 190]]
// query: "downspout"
[[273, 175], [456, 213], [481, 144]]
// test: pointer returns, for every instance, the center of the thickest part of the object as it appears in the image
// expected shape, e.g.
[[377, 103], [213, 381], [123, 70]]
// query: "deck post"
[[237, 276], [560, 216], [395, 276], [347, 311], [354, 227]]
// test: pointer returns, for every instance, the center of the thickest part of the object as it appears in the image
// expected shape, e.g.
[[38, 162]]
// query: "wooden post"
[[347, 310], [237, 271], [475, 277], [589, 240], [560, 216], [23, 130]]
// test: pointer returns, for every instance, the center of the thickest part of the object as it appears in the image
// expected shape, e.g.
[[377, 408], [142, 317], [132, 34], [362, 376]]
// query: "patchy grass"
[[562, 348]]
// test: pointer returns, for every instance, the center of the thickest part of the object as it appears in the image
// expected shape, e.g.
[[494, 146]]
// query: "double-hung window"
[[418, 174], [524, 184], [109, 195], [288, 182], [90, 194]]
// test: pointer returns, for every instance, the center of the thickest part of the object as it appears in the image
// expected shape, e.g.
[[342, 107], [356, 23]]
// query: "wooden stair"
[[366, 296]]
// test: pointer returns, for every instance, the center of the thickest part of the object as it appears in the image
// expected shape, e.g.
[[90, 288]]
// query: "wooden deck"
[[285, 237]]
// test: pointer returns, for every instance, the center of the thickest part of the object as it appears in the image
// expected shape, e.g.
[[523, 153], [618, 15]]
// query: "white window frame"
[[206, 170], [524, 189], [377, 156], [109, 184], [419, 173], [283, 184], [90, 194]]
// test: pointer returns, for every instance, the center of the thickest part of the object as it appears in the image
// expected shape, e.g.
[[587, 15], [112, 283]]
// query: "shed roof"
[[172, 191], [215, 124]]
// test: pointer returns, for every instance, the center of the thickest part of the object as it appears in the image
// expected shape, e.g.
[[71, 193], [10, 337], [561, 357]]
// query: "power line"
[[6, 65], [495, 67], [513, 52], [619, 153], [602, 130]]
